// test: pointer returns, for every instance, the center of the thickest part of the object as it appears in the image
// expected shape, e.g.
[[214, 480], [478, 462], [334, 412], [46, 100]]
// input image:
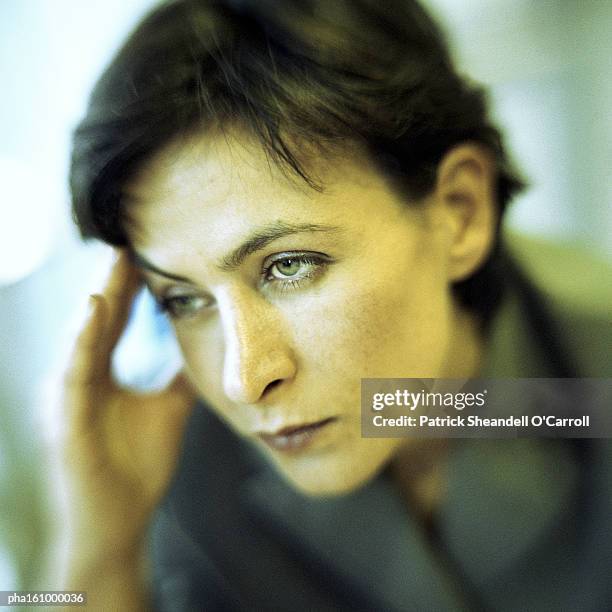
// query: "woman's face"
[[283, 297]]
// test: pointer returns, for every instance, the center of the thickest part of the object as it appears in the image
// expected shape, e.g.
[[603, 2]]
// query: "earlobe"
[[465, 191]]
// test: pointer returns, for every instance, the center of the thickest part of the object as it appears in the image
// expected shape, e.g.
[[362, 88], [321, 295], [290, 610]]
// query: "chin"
[[326, 482]]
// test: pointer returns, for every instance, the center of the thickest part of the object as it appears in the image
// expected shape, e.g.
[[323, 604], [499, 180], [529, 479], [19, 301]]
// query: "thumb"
[[175, 403]]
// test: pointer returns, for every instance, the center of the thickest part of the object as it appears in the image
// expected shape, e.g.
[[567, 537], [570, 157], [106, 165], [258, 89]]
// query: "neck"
[[419, 471], [466, 345], [419, 468]]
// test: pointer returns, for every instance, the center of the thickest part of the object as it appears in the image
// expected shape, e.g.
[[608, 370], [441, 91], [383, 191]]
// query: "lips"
[[295, 437]]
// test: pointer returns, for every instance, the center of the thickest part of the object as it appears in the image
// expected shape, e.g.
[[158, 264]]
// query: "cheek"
[[394, 329]]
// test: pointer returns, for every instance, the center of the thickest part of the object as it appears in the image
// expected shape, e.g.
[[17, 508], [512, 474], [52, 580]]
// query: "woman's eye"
[[182, 306], [291, 270], [287, 267]]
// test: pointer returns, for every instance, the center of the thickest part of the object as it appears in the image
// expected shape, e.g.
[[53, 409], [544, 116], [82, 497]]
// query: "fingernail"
[[117, 256], [92, 304]]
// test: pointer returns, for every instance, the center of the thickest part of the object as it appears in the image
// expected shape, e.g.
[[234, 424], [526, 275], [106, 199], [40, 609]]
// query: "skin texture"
[[370, 296]]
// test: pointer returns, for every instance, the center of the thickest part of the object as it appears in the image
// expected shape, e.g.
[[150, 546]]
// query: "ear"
[[464, 192]]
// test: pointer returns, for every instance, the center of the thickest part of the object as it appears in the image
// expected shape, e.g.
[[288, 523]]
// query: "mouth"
[[295, 438]]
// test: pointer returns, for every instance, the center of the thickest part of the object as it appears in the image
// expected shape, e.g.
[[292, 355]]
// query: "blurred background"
[[548, 66]]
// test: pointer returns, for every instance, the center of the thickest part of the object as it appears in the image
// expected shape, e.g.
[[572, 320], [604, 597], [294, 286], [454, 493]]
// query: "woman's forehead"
[[198, 204], [217, 158], [221, 179]]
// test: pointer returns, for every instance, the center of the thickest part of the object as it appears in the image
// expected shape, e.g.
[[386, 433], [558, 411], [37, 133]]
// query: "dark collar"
[[504, 497]]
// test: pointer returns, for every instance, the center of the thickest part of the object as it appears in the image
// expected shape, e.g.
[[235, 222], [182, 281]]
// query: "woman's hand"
[[118, 449]]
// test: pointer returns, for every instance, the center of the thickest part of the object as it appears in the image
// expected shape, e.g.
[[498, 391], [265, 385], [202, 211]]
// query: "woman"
[[314, 196]]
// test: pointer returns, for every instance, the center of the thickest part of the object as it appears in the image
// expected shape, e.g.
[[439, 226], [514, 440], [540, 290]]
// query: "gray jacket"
[[525, 525]]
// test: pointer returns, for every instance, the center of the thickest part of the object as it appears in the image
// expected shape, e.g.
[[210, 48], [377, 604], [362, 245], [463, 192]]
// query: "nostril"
[[271, 386]]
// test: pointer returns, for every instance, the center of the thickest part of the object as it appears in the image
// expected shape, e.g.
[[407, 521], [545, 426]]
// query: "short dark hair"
[[322, 72]]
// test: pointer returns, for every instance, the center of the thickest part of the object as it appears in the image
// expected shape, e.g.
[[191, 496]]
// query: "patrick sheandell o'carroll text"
[[486, 408]]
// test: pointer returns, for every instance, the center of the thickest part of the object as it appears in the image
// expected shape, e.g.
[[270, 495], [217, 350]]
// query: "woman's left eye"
[[292, 269]]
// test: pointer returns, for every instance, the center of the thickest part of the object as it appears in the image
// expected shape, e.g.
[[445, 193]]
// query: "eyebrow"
[[139, 261], [255, 242], [264, 236]]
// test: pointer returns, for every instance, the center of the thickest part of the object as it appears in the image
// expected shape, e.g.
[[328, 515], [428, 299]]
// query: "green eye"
[[292, 269], [181, 306], [289, 267]]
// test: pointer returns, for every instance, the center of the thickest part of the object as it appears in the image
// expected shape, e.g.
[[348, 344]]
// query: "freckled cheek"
[[373, 331]]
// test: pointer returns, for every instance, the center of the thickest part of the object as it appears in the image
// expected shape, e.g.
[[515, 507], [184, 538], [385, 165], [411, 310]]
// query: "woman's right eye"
[[183, 306]]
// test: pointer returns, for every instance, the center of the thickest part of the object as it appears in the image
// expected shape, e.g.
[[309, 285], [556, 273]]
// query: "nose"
[[258, 356]]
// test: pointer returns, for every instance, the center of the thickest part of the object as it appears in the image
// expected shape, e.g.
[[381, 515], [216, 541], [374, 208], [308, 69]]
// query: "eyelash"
[[317, 262]]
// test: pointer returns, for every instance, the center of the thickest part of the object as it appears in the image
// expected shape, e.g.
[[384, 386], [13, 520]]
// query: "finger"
[[121, 287], [180, 394], [174, 404], [170, 410], [85, 370]]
